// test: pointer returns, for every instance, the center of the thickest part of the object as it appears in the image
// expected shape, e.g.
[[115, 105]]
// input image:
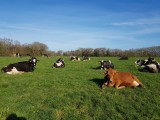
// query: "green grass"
[[74, 93]]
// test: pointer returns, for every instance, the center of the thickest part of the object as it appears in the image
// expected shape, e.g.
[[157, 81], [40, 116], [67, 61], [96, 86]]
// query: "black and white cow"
[[21, 67], [84, 58], [59, 63], [145, 62], [124, 58], [106, 64], [148, 65], [74, 58]]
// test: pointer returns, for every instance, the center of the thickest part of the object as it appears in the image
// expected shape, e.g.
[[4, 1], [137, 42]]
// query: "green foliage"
[[74, 92]]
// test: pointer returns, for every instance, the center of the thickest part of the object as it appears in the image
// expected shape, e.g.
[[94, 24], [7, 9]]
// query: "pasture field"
[[74, 92]]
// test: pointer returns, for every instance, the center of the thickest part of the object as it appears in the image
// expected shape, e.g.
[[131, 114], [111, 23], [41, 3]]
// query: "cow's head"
[[33, 60], [140, 62], [60, 60], [110, 77], [101, 62], [106, 64], [6, 69], [111, 73], [149, 60]]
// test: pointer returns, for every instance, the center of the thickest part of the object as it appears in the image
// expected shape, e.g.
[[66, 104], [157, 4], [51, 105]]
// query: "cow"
[[17, 55], [121, 80], [145, 62], [106, 64], [59, 63], [148, 65], [140, 62], [74, 58], [21, 67], [124, 58], [84, 58]]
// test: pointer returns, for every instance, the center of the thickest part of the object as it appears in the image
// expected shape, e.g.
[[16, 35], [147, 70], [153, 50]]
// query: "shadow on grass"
[[99, 82], [13, 116], [142, 70], [97, 68]]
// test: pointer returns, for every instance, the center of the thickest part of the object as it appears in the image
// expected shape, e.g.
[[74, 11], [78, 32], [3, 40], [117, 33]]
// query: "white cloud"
[[144, 21]]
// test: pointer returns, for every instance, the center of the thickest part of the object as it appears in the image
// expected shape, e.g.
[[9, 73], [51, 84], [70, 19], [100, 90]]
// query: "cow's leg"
[[120, 87], [117, 86]]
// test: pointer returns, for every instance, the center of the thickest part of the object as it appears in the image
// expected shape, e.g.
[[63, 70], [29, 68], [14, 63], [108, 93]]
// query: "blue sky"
[[73, 24]]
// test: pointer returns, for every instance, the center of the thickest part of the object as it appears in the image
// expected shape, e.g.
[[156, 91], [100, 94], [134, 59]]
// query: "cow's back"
[[24, 66]]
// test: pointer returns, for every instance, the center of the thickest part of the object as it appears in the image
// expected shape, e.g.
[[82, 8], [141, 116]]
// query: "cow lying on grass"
[[59, 63], [21, 67], [75, 58], [85, 58], [121, 80], [124, 58], [106, 64], [148, 65]]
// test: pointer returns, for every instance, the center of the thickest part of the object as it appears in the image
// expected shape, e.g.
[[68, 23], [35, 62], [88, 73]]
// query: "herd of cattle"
[[113, 77]]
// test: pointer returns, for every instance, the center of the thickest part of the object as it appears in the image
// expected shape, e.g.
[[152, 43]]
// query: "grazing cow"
[[75, 58], [124, 58], [148, 65], [84, 58], [21, 67], [17, 55], [106, 64], [121, 80], [59, 63]]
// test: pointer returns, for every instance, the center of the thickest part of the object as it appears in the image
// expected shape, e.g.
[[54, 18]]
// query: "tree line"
[[9, 47]]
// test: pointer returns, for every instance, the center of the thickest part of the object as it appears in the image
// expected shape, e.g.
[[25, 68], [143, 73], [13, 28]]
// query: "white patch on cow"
[[78, 59], [59, 64], [145, 61], [153, 66], [34, 60], [135, 83], [14, 71]]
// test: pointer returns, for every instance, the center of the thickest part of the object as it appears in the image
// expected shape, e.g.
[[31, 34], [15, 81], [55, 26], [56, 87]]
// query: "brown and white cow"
[[121, 80]]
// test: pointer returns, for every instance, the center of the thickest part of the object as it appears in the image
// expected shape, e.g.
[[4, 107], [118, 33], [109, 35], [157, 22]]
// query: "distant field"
[[74, 93]]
